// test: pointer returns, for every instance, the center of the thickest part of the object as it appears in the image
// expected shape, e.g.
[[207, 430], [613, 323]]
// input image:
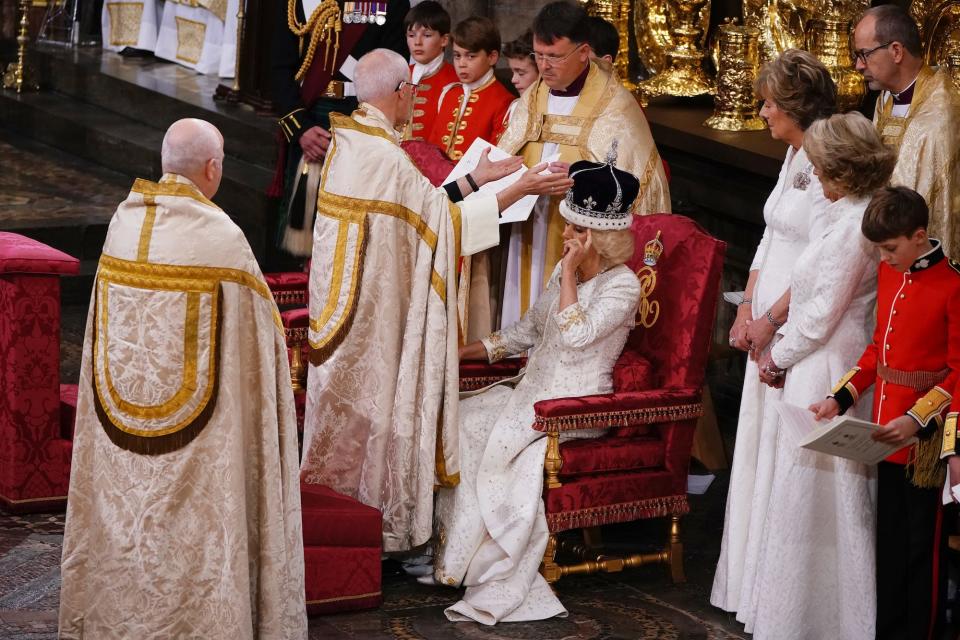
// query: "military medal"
[[347, 13], [365, 16], [381, 13]]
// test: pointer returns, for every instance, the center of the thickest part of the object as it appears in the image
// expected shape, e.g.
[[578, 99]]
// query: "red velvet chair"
[[35, 409], [342, 542], [639, 469]]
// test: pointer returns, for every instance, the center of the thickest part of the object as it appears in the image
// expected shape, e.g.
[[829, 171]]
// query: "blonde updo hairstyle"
[[848, 153], [800, 85], [614, 246]]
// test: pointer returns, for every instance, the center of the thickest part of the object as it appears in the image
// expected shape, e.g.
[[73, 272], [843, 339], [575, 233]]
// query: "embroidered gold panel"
[[190, 37], [125, 18], [155, 347]]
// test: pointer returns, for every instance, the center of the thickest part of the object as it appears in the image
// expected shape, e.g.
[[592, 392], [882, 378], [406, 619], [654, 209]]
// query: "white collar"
[[421, 70], [377, 118]]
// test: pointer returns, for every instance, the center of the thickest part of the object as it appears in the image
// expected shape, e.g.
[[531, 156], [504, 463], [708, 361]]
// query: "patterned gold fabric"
[[929, 150], [183, 518]]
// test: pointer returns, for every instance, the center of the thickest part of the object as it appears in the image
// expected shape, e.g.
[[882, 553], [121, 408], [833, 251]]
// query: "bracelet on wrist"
[[772, 320], [472, 182], [745, 301]]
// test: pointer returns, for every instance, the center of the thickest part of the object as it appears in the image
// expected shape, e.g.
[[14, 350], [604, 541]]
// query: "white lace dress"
[[492, 531], [815, 576], [792, 214]]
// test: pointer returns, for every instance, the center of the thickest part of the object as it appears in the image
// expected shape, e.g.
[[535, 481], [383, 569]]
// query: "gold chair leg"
[[552, 460], [549, 569], [675, 551]]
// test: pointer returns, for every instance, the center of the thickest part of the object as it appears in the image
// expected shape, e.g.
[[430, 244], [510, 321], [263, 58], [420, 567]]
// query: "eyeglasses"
[[413, 85], [863, 54], [552, 60]]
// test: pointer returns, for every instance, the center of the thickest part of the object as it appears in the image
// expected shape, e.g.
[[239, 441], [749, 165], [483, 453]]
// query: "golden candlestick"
[[241, 19], [684, 74], [735, 106], [16, 74], [828, 38]]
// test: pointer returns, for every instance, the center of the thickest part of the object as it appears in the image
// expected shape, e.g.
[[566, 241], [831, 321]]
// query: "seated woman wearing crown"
[[492, 529]]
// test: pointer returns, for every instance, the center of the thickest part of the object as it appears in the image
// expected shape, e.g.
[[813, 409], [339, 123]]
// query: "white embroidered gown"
[[816, 574], [492, 527], [793, 213]]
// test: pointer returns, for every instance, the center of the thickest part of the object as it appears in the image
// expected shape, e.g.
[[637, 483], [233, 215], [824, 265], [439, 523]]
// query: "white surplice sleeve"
[[842, 262], [480, 224], [612, 304]]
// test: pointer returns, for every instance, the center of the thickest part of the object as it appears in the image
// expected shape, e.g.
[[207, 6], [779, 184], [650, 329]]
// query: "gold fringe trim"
[[169, 442], [627, 418], [927, 470]]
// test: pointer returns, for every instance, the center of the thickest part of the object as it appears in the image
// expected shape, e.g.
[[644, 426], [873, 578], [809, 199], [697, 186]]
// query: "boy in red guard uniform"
[[475, 106], [914, 360], [428, 34]]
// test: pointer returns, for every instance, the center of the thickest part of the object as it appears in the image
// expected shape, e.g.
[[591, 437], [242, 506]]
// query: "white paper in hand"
[[518, 211], [844, 437]]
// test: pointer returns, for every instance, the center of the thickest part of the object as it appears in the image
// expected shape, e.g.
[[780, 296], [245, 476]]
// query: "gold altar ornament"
[[617, 13], [683, 74], [828, 38], [953, 64], [735, 105], [939, 23], [784, 24]]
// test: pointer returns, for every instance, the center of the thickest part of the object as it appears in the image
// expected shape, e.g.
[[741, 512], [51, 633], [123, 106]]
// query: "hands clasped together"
[[755, 337]]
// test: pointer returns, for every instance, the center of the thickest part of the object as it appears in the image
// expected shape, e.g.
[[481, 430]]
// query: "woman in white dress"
[[797, 90], [492, 531], [816, 576]]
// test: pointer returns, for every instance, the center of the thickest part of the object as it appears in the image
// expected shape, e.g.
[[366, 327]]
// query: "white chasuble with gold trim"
[[200, 35], [382, 390], [183, 516], [542, 124], [928, 150]]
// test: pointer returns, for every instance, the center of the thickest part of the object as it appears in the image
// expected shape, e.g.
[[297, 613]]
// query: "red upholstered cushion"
[[287, 280], [68, 410], [295, 318], [588, 501], [342, 579], [632, 372], [430, 159], [331, 519], [19, 254], [611, 454]]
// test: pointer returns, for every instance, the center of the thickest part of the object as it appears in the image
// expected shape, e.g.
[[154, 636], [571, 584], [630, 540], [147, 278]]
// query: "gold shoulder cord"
[[323, 23]]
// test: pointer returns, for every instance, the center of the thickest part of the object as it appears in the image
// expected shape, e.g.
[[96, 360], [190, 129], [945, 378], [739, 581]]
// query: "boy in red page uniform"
[[428, 34], [474, 107], [914, 361]]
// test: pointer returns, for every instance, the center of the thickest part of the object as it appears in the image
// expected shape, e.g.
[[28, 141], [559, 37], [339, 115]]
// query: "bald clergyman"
[[183, 517], [381, 415]]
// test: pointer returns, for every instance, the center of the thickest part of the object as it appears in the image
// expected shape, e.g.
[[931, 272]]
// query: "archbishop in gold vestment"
[[382, 388], [582, 127], [928, 150], [183, 516]]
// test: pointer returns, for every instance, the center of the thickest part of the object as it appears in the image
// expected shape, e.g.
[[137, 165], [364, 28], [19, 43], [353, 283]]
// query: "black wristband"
[[471, 182]]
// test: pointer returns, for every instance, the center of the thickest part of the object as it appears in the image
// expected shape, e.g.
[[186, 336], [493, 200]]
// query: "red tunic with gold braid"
[[914, 358], [427, 100], [456, 128]]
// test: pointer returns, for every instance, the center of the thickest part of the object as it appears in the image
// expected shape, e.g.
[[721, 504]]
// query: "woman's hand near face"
[[575, 252]]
